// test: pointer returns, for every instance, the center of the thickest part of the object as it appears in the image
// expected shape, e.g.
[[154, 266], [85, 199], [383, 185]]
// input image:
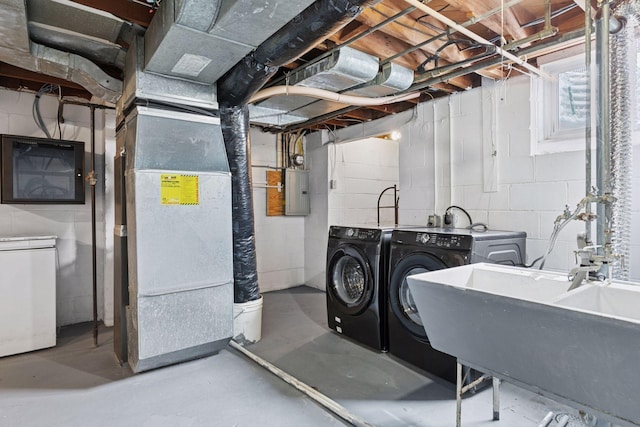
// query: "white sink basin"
[[581, 347]]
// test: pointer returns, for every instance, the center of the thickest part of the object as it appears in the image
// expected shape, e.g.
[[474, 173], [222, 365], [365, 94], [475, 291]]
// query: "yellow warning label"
[[179, 189]]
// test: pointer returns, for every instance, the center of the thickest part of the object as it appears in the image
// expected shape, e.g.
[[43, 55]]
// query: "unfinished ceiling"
[[399, 48]]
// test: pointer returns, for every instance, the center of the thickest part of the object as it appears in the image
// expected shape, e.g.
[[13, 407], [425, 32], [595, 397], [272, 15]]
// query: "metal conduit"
[[587, 133], [603, 116], [446, 33], [473, 36]]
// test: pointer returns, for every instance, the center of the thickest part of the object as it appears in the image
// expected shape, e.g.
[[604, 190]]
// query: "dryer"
[[357, 262], [414, 251]]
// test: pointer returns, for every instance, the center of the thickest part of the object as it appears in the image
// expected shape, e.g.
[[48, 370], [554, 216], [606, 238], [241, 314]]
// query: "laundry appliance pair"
[[368, 299]]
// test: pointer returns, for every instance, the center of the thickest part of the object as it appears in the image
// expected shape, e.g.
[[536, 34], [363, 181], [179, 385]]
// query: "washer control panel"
[[447, 241], [353, 233]]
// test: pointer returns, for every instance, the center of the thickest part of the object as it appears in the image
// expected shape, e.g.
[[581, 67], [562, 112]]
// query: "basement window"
[[559, 110], [559, 106]]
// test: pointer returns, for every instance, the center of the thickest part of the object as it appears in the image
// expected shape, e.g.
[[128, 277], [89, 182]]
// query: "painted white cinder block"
[[545, 196], [560, 167], [516, 169], [521, 221], [279, 240], [474, 198]]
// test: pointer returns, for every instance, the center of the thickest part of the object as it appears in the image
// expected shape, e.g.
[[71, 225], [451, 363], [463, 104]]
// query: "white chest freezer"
[[27, 294]]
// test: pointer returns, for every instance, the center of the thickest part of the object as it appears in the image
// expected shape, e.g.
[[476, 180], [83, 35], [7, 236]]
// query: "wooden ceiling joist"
[[123, 9]]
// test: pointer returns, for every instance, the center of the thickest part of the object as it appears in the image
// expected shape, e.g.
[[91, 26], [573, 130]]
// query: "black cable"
[[58, 119], [446, 211]]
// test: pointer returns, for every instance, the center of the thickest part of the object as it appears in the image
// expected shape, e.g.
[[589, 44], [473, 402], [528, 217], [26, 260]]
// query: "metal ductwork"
[[321, 19], [16, 49], [91, 33], [200, 40], [139, 84], [345, 71]]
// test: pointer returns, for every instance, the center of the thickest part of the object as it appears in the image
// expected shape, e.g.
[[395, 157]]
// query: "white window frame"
[[545, 139]]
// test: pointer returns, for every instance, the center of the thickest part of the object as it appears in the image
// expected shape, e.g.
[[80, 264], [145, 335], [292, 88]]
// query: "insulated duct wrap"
[[623, 85], [235, 131], [315, 23], [235, 88]]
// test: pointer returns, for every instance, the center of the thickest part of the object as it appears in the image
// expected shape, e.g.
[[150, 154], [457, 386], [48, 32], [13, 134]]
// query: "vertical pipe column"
[[235, 131], [587, 134], [603, 115], [94, 256]]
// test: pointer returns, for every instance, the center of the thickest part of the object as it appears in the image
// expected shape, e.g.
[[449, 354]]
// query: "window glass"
[[572, 99]]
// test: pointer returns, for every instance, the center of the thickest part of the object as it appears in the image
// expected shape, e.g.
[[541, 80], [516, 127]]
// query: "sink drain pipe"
[[235, 88], [314, 394]]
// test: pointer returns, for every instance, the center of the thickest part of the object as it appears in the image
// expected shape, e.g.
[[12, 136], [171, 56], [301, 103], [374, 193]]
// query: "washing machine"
[[357, 262], [414, 251]]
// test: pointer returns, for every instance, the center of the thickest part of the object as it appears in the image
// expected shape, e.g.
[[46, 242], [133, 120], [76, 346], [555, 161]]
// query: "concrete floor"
[[77, 384]]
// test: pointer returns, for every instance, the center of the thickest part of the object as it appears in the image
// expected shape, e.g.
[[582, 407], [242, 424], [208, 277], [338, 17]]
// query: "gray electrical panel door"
[[296, 194]]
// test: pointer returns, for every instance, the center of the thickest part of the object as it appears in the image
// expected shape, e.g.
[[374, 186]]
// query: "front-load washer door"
[[350, 280], [400, 298]]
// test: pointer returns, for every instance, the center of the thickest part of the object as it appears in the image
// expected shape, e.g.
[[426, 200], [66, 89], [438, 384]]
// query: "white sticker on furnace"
[[191, 65]]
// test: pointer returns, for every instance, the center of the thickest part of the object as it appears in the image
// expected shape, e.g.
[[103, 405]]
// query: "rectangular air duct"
[[148, 86], [200, 40], [179, 234], [355, 74]]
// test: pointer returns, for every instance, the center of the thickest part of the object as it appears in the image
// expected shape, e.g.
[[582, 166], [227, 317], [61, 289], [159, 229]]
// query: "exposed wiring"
[[448, 210], [35, 108], [553, 15]]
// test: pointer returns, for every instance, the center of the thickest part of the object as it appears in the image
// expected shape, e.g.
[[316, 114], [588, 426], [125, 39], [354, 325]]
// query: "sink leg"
[[458, 394], [496, 398]]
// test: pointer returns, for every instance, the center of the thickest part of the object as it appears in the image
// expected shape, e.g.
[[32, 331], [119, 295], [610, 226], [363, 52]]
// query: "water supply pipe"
[[94, 257], [474, 36], [587, 132], [603, 117]]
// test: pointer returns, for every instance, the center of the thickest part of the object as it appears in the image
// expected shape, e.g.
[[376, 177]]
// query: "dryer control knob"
[[424, 238], [350, 232]]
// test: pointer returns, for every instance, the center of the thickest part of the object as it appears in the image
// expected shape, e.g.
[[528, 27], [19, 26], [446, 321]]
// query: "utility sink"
[[581, 347]]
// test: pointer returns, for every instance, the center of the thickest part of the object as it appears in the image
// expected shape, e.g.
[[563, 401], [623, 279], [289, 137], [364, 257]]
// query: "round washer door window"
[[349, 280], [403, 306], [407, 303]]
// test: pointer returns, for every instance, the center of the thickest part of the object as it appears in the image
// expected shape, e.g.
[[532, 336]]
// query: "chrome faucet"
[[588, 262]]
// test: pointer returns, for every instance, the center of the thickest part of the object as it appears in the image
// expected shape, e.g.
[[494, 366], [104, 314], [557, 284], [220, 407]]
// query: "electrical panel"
[[296, 186]]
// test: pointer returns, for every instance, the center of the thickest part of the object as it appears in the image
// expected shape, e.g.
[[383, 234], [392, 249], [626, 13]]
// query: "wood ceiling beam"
[[510, 26], [397, 107], [20, 84], [408, 30], [352, 29], [361, 114], [123, 9], [17, 73]]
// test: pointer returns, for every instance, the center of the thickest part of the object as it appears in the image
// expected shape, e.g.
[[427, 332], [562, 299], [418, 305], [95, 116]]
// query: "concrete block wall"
[[532, 190], [361, 170], [417, 167], [71, 223], [316, 224], [280, 240]]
